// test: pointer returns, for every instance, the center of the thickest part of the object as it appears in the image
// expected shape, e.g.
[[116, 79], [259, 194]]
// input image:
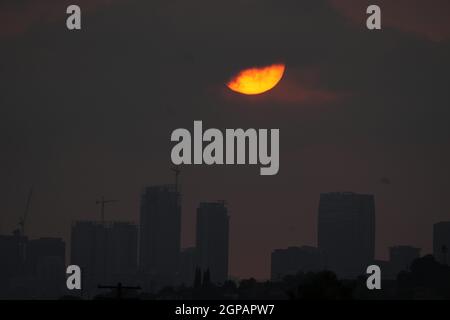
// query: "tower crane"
[[102, 202]]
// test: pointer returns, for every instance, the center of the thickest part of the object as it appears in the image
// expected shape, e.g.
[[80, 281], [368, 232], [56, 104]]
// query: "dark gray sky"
[[90, 113]]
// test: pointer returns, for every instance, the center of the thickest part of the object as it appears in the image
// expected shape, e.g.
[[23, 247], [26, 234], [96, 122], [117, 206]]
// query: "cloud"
[[429, 19], [305, 86]]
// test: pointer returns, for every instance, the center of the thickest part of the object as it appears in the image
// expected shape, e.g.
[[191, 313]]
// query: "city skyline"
[[107, 251], [181, 249]]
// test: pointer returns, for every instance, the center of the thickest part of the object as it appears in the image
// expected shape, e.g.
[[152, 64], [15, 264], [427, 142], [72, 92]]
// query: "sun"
[[257, 80]]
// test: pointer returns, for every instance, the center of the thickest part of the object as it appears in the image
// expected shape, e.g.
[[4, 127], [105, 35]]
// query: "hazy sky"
[[90, 113]]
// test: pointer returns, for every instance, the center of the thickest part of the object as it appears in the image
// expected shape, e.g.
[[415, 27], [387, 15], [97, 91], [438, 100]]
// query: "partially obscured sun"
[[257, 80]]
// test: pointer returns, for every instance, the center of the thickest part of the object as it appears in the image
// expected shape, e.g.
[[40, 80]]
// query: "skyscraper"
[[88, 250], [46, 263], [122, 250], [105, 251], [441, 242], [346, 232], [12, 260], [160, 223], [38, 250], [212, 239]]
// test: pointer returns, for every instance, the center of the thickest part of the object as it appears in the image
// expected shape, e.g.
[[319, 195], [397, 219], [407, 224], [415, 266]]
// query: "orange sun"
[[257, 80]]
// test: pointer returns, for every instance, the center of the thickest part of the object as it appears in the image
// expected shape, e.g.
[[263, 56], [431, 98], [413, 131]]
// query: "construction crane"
[[177, 173], [23, 219], [102, 202]]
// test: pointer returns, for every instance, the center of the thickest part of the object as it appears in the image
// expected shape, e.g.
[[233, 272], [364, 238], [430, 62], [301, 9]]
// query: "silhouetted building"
[[346, 232], [188, 263], [31, 268], [293, 260], [46, 263], [123, 250], [441, 242], [212, 240], [104, 251], [88, 250], [401, 257], [12, 260], [40, 249], [160, 223]]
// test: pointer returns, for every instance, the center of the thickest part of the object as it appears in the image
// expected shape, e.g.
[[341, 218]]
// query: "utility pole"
[[119, 289], [102, 202]]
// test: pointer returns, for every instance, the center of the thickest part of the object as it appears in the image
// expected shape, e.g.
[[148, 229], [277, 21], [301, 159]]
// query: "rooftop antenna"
[[102, 208]]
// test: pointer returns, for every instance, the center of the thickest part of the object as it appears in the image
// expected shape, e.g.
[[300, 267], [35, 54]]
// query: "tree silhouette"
[[206, 278], [323, 286]]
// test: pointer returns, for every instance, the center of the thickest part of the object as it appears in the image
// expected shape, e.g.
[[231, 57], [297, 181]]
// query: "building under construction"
[[159, 239], [105, 251]]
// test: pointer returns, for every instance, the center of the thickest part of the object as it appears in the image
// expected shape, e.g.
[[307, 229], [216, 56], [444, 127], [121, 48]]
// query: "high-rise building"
[[45, 259], [346, 232], [160, 228], [401, 257], [12, 260], [105, 251], [212, 240], [293, 260], [88, 250], [40, 249], [123, 250], [441, 242]]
